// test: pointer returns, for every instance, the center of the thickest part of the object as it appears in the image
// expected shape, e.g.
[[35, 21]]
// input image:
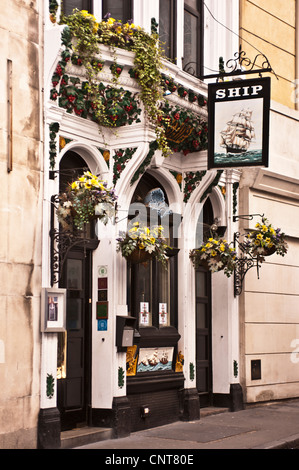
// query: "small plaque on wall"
[[53, 318], [102, 283], [102, 310], [102, 325]]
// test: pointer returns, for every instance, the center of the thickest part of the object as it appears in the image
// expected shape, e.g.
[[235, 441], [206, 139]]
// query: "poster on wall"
[[144, 315], [239, 123], [163, 314], [53, 312], [155, 359]]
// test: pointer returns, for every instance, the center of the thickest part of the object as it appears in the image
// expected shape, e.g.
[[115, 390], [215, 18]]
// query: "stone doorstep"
[[85, 435], [210, 410]]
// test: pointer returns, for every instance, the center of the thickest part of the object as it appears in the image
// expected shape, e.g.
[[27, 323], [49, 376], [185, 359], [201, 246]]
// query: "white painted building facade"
[[214, 338], [83, 137]]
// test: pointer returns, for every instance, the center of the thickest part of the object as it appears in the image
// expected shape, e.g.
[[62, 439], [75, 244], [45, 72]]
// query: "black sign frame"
[[226, 102]]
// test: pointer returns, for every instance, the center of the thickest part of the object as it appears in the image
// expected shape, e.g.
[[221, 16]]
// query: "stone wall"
[[268, 27], [20, 234], [269, 305]]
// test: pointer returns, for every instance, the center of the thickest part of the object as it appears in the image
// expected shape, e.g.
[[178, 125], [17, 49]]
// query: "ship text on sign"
[[238, 92]]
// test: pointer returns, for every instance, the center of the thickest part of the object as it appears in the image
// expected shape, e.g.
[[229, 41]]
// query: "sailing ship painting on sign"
[[238, 133], [238, 125]]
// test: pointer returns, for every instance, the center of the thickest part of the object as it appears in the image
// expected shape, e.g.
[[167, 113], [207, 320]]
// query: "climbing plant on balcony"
[[88, 34]]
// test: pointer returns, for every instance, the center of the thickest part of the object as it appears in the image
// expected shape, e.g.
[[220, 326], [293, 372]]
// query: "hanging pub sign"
[[239, 123]]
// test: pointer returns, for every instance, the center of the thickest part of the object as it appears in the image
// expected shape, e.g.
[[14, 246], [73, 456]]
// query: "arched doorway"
[[74, 346], [203, 314], [152, 296]]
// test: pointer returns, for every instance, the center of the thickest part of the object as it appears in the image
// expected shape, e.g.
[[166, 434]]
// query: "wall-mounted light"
[[256, 371], [145, 411]]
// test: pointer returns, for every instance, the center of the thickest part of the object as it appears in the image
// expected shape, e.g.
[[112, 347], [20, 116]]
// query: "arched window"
[[205, 220], [152, 288], [71, 166]]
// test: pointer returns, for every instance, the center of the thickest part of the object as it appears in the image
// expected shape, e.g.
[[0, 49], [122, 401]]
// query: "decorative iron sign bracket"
[[240, 60], [245, 261]]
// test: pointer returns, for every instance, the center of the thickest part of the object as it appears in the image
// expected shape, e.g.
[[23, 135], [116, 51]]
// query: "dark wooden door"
[[74, 386], [203, 337]]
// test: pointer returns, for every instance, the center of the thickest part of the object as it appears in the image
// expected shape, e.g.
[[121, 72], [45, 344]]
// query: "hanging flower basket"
[[139, 256], [86, 199], [141, 244], [215, 255], [264, 251], [265, 240]]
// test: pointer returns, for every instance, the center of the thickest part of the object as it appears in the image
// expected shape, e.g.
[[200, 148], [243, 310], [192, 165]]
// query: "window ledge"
[[157, 337], [153, 381]]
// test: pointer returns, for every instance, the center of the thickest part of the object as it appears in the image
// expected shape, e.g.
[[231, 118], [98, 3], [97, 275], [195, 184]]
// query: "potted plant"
[[265, 240], [142, 243], [85, 199], [215, 255]]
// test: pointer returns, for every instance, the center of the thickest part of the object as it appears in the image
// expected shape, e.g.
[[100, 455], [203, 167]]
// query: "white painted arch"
[[92, 156]]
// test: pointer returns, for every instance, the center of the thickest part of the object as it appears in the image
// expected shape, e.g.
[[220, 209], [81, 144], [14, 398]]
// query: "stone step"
[[211, 410], [85, 435]]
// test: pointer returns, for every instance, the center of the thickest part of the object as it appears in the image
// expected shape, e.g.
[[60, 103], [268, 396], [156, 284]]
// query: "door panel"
[[74, 385], [74, 393], [203, 337]]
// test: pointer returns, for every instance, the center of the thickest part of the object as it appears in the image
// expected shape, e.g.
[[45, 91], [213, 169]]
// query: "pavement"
[[270, 426]]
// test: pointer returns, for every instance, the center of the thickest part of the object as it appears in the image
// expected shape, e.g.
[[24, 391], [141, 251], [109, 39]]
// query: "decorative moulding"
[[277, 184]]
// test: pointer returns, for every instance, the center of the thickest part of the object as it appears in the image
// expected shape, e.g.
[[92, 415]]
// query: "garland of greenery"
[[53, 7], [146, 162], [121, 377], [118, 106], [54, 129], [169, 84], [235, 201], [192, 371], [154, 26], [50, 386], [185, 131], [120, 159], [191, 181]]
